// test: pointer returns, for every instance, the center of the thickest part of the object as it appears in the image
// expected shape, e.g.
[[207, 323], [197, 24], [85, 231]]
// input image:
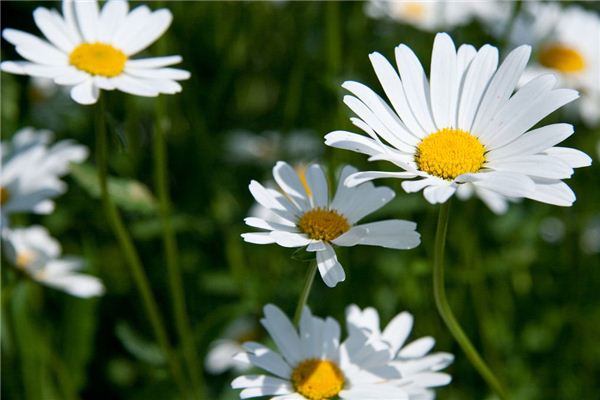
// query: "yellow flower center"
[[322, 224], [98, 59], [562, 58], [414, 10], [24, 259], [449, 153], [4, 195], [317, 379]]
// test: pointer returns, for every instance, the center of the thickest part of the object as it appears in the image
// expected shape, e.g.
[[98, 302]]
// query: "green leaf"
[[128, 194]]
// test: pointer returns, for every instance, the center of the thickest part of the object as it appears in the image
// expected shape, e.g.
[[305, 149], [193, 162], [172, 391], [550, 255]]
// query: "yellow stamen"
[[98, 59], [322, 224], [4, 195], [414, 10], [24, 259], [317, 379], [562, 58], [449, 153]]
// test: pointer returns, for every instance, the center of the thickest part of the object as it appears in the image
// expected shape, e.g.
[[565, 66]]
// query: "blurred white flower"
[[90, 49], [411, 359], [566, 42], [31, 170], [33, 251], [552, 229], [270, 146], [221, 351], [590, 238], [435, 15], [465, 125], [310, 219], [313, 363]]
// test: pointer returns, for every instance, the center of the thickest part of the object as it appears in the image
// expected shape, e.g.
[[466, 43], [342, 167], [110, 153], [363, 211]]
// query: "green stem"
[[182, 321], [443, 307], [310, 277], [129, 250]]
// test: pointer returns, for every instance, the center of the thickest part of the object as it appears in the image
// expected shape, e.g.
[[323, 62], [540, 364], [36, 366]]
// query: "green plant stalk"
[[445, 311], [128, 249], [176, 289], [310, 277]]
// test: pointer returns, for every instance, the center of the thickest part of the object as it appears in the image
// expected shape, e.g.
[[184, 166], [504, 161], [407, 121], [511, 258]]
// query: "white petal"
[[417, 348], [364, 200], [534, 165], [444, 81], [361, 177], [134, 86], [573, 157], [87, 18], [351, 141], [317, 182], [155, 62], [247, 381], [268, 225], [112, 16], [558, 194], [158, 73], [290, 239], [532, 142], [290, 183], [505, 183], [258, 237], [439, 193], [393, 234], [53, 27], [85, 93], [398, 330], [329, 267], [34, 49], [267, 359], [136, 19], [147, 33], [283, 333]]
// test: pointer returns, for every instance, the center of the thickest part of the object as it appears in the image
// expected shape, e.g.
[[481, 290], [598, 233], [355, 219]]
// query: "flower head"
[[31, 169], [464, 129], [315, 364], [90, 49], [309, 218], [410, 359], [34, 252]]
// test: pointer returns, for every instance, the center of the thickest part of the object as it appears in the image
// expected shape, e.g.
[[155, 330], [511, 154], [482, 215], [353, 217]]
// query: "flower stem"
[[443, 307], [128, 249], [182, 321], [310, 277]]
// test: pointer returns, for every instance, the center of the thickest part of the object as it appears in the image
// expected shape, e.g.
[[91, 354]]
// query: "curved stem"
[[443, 307], [176, 289], [128, 249], [310, 277]]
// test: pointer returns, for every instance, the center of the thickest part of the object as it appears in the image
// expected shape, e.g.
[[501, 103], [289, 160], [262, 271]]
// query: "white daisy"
[[31, 170], [411, 359], [34, 252], [315, 365], [221, 351], [311, 219], [90, 49], [567, 43], [437, 15], [464, 127]]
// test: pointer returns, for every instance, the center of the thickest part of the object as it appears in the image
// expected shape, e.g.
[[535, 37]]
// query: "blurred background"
[[265, 86]]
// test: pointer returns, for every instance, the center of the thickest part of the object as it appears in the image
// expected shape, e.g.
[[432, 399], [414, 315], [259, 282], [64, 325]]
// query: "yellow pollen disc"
[[415, 10], [24, 259], [4, 195], [317, 379], [449, 153], [322, 224], [98, 59], [562, 58]]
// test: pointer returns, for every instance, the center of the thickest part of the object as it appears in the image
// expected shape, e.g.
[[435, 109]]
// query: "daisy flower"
[[464, 126], [314, 364], [411, 359], [435, 15], [221, 351], [309, 218], [31, 169], [90, 49], [567, 43], [35, 253]]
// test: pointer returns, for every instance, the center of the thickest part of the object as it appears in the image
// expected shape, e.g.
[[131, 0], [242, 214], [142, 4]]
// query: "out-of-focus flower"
[[270, 146], [220, 354], [437, 15], [316, 365], [552, 229], [311, 219], [590, 238], [464, 127], [34, 252], [566, 42], [90, 49], [31, 169], [411, 359]]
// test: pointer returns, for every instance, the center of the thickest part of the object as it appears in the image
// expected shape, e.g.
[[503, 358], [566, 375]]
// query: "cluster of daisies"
[[30, 179], [468, 128]]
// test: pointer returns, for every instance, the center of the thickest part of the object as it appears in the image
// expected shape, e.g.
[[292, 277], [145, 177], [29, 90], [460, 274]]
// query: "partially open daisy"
[[33, 251], [316, 365], [309, 218], [413, 362], [465, 126], [91, 49], [567, 43], [30, 173]]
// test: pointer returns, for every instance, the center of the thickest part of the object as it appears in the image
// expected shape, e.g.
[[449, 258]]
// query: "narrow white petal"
[[444, 81], [34, 49], [283, 333], [85, 93], [532, 142], [392, 234], [505, 183], [134, 86], [159, 73], [290, 239], [290, 183], [147, 33], [87, 18], [361, 177], [557, 193], [329, 267], [534, 165], [258, 237], [398, 330], [112, 16], [317, 182], [353, 142], [417, 348], [573, 157], [154, 62], [54, 29]]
